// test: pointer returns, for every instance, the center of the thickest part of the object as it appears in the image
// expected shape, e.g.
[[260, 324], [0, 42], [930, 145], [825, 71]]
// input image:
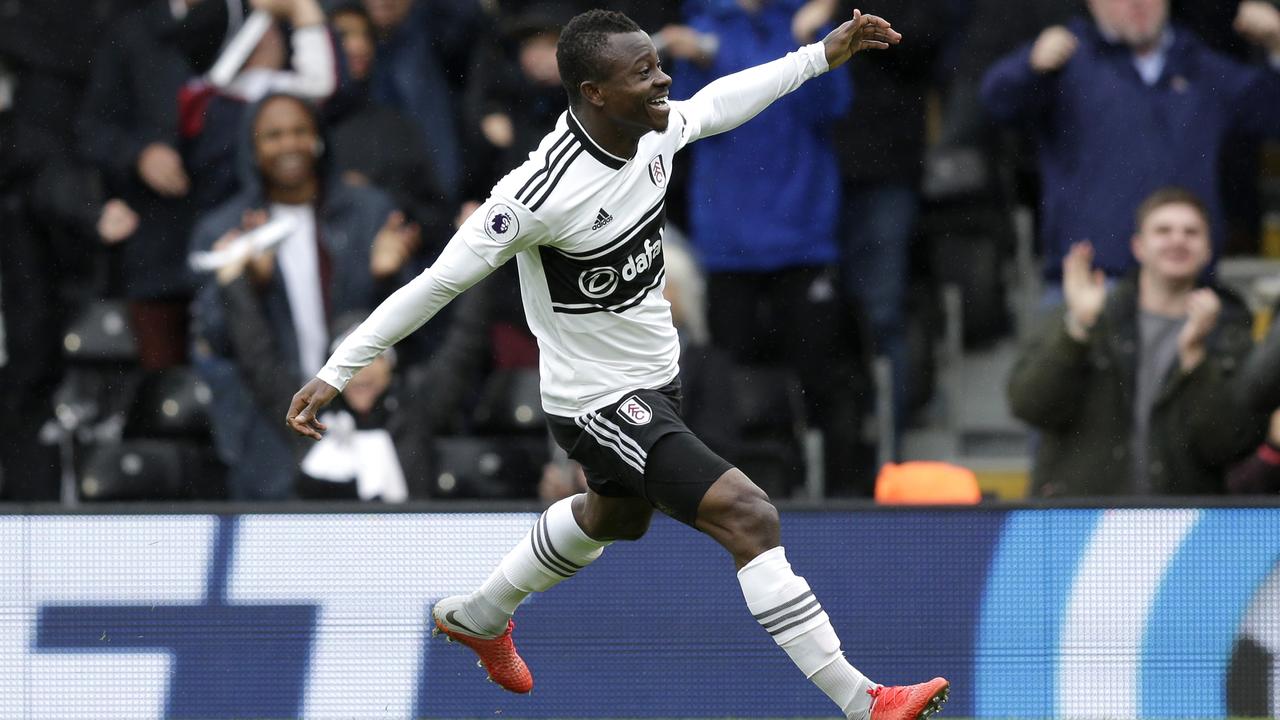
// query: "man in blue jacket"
[[1123, 103], [763, 205]]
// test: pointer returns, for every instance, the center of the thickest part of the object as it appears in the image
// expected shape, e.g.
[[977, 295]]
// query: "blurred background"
[[1032, 251]]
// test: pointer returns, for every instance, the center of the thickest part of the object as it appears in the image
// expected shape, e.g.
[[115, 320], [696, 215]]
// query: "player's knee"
[[632, 528], [758, 518], [616, 524], [743, 511]]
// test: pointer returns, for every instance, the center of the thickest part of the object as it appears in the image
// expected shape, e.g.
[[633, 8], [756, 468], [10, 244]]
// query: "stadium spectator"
[[514, 94], [45, 59], [991, 29], [344, 250], [410, 76], [212, 116], [128, 128], [1259, 474], [1260, 391], [366, 461], [764, 201], [1123, 103], [880, 145], [373, 143], [1133, 386]]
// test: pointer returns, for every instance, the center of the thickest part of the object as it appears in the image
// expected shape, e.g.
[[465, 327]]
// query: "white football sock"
[[785, 607], [555, 549]]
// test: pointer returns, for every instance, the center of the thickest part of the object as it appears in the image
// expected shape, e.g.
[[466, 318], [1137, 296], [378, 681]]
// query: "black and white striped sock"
[[554, 550], [787, 609]]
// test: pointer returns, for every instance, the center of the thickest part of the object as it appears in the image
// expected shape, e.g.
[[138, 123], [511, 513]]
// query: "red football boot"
[[909, 702], [498, 655]]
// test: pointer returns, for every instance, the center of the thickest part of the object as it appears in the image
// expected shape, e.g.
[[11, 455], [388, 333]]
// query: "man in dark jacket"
[[1134, 387], [343, 251], [128, 128], [1123, 103], [1260, 390]]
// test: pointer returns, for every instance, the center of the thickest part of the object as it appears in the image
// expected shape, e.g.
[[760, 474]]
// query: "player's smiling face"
[[635, 90]]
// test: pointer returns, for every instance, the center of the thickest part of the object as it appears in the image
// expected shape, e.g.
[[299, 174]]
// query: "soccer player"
[[584, 219]]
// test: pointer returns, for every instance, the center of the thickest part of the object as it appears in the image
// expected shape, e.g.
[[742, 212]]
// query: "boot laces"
[[885, 697]]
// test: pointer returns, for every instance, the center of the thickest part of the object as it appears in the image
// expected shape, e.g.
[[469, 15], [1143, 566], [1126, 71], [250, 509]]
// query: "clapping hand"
[[1259, 23], [1052, 49], [260, 266], [394, 244], [1084, 288], [1203, 308], [116, 222], [809, 18]]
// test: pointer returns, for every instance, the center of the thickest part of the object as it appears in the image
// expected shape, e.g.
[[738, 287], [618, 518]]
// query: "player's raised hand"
[[302, 417], [863, 32]]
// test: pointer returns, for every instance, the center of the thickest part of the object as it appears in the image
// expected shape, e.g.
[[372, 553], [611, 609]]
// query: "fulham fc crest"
[[634, 411], [501, 224], [658, 172]]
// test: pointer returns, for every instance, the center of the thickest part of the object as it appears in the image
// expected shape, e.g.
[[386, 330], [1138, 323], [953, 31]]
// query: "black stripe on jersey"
[[622, 239], [625, 305], [546, 166], [596, 152], [554, 163], [563, 169]]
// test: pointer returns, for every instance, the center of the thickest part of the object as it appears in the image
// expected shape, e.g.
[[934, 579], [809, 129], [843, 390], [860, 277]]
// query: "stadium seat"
[[171, 403], [100, 334], [771, 408], [488, 467], [510, 403], [150, 470]]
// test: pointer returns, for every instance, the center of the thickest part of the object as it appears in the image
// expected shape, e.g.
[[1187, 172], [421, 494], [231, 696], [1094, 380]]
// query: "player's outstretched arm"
[[862, 32], [304, 411], [727, 102], [457, 269]]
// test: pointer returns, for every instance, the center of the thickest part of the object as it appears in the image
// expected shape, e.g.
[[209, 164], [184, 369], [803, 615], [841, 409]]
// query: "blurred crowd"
[[200, 198]]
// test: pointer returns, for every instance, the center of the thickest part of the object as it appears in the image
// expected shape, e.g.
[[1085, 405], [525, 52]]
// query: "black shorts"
[[620, 450]]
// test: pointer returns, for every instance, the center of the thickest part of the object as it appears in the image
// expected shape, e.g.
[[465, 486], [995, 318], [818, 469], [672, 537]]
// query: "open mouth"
[[658, 102]]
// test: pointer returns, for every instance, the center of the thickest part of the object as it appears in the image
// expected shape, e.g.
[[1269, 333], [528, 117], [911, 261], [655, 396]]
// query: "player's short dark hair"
[[1169, 196], [581, 46]]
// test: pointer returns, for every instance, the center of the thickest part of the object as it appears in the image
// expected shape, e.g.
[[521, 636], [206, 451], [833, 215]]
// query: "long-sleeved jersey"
[[585, 227]]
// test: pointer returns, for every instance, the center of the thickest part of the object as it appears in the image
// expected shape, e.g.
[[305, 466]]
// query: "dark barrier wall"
[[1031, 613]]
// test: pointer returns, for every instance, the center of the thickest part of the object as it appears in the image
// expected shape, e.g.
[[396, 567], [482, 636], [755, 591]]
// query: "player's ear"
[[592, 92]]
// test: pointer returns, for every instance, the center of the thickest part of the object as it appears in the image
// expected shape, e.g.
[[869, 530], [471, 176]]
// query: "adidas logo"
[[602, 218]]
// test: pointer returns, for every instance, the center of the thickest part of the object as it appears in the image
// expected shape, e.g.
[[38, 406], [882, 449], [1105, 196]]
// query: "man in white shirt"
[[342, 249], [583, 218]]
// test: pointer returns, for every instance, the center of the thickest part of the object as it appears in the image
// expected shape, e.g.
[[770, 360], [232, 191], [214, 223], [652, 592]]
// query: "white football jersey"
[[586, 229]]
